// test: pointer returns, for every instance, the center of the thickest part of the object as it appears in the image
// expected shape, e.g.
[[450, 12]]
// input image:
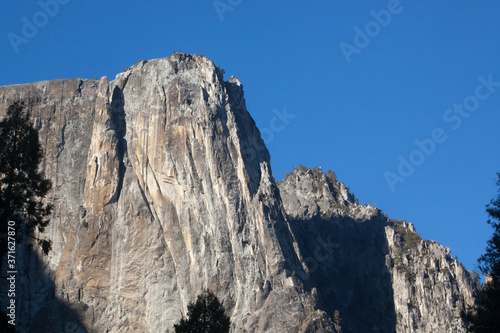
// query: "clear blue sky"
[[355, 117]]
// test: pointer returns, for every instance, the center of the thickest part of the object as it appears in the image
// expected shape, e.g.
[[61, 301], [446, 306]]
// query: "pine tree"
[[22, 185], [206, 315], [485, 316]]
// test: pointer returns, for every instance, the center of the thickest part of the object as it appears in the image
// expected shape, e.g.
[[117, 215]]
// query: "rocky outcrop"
[[376, 272], [162, 187], [431, 288]]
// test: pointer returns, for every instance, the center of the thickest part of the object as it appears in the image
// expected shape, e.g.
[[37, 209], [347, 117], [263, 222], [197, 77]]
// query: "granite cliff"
[[162, 186], [378, 273]]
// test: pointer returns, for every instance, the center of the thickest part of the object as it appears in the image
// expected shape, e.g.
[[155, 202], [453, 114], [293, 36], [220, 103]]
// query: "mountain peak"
[[310, 192], [162, 187]]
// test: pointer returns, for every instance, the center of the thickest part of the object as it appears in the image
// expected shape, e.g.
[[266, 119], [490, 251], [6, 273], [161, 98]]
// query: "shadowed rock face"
[[377, 273], [162, 187]]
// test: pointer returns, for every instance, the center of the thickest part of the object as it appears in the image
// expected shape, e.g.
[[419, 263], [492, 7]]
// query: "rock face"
[[376, 272], [162, 187]]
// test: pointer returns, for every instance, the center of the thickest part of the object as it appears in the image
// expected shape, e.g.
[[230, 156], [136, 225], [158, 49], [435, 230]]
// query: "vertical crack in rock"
[[60, 146], [120, 128]]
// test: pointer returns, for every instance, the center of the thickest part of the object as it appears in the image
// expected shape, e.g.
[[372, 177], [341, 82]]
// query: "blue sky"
[[354, 114]]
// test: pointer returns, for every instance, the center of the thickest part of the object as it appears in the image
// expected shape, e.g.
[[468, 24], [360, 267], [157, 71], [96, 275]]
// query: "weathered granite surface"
[[377, 272], [162, 186]]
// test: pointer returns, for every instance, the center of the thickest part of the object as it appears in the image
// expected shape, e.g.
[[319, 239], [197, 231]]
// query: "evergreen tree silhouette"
[[22, 189], [22, 185], [485, 316], [206, 315]]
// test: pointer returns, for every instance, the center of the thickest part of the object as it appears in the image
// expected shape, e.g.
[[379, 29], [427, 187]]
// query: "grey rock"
[[162, 187], [377, 272]]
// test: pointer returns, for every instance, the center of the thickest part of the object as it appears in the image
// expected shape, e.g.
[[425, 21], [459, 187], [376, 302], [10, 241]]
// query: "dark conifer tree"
[[485, 316], [22, 184], [206, 315]]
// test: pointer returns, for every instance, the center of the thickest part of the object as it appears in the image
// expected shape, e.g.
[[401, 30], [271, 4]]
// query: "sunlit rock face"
[[162, 187]]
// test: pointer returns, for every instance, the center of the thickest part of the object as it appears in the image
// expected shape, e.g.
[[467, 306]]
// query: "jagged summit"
[[309, 192], [162, 187], [360, 252]]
